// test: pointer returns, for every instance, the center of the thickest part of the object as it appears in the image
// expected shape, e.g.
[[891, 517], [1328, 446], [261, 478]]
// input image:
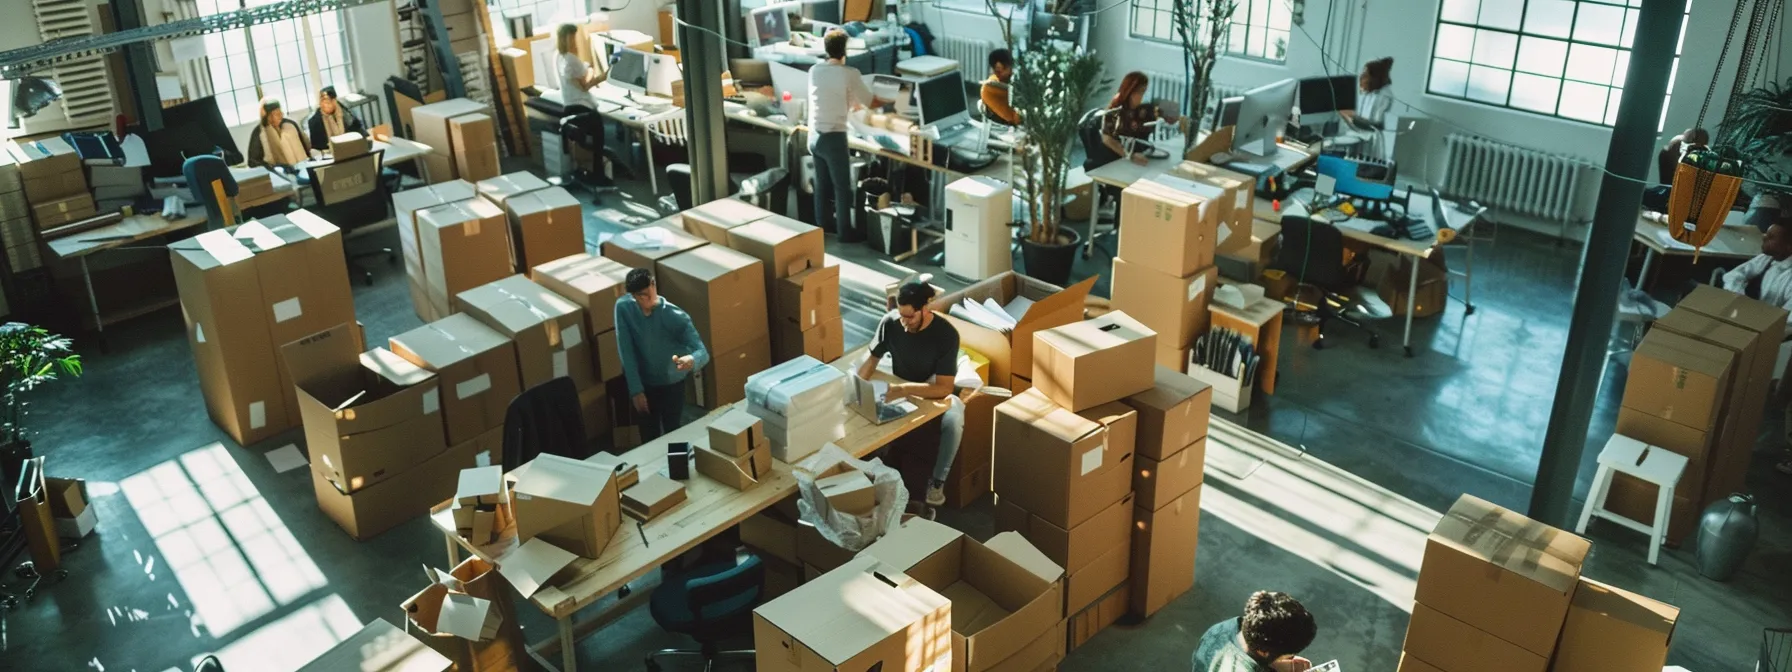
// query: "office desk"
[[132, 229], [397, 150], [1735, 241], [614, 104], [709, 509]]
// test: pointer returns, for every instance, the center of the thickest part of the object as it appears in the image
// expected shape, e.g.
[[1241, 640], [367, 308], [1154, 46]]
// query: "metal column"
[[139, 64], [1629, 157], [704, 61]]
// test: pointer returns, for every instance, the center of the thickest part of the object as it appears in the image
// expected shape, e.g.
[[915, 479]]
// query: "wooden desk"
[[1735, 241], [397, 150], [132, 229], [709, 509]]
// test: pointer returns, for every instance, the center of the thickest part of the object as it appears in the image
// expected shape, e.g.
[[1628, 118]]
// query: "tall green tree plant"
[[1051, 89], [1202, 26], [1758, 130], [30, 356]]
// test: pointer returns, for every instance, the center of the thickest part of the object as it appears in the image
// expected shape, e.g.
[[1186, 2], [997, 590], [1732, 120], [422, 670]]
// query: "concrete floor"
[[203, 547]]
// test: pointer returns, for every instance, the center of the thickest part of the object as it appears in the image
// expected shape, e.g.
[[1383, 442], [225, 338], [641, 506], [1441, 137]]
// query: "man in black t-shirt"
[[923, 352]]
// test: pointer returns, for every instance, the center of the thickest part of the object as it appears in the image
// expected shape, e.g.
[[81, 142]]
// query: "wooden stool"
[[1652, 464]]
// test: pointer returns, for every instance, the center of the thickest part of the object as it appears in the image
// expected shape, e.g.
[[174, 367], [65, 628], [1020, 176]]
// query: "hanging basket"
[[1704, 189]]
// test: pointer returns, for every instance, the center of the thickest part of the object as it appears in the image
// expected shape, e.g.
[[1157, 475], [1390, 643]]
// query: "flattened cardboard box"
[[1501, 573], [1062, 467], [463, 245], [1086, 364], [594, 283], [569, 503], [476, 366], [711, 221], [863, 615], [382, 506], [548, 330], [368, 417], [1011, 353]]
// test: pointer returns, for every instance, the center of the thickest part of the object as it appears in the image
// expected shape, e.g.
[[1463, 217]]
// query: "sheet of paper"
[[1018, 308], [187, 48], [286, 458], [136, 154], [168, 87]]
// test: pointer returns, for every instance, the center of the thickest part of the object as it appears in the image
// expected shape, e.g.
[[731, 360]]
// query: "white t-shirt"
[[572, 72], [832, 91]]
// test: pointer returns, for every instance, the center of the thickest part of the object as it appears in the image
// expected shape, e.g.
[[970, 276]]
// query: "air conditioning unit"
[[977, 239]]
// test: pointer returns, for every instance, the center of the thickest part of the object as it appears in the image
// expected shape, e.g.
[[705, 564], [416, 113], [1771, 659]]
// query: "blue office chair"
[[710, 603]]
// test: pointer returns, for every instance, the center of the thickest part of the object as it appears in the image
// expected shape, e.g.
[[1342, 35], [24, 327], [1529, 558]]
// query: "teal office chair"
[[711, 603]]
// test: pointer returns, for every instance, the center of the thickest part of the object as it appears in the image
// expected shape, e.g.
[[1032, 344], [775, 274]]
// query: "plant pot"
[[1050, 262]]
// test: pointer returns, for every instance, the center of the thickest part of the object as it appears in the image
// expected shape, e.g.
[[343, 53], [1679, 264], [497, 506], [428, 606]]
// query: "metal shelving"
[[22, 61]]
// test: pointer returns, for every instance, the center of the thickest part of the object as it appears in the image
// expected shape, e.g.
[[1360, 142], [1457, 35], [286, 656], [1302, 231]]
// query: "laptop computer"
[[868, 400]]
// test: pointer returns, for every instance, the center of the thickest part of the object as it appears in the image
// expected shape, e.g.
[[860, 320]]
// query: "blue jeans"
[[833, 181], [951, 434]]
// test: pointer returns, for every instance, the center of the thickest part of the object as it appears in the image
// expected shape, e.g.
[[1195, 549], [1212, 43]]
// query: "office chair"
[[710, 603], [1313, 253], [351, 193], [575, 131], [1095, 155], [545, 419]]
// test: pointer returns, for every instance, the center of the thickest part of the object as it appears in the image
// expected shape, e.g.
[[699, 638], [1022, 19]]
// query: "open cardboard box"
[[367, 416], [864, 615], [1011, 353], [1004, 593]]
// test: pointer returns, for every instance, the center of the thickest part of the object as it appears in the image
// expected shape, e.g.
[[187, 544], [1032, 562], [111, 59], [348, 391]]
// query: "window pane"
[[234, 42], [1599, 23], [1502, 14], [1455, 42], [1629, 37], [1588, 63], [1449, 77], [1585, 102], [1534, 93], [1541, 56], [1489, 85], [1621, 69], [1554, 18], [1611, 106], [1495, 48], [1461, 11]]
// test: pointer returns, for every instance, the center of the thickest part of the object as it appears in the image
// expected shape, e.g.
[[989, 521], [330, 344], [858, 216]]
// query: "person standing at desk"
[[576, 80], [659, 348], [924, 353], [276, 142], [330, 120], [1373, 101], [994, 92], [1768, 278], [835, 90], [1126, 126]]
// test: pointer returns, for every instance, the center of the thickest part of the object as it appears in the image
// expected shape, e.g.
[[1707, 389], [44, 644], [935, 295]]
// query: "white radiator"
[[1174, 87], [1515, 179], [972, 55]]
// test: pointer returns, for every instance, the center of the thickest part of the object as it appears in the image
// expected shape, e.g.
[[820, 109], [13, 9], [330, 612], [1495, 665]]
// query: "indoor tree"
[[1202, 32], [1050, 90]]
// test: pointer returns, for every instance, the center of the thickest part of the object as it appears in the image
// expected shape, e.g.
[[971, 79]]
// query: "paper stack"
[[802, 403]]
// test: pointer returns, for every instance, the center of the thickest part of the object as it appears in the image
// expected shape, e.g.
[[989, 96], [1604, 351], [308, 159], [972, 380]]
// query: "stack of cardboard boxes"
[[1245, 245], [1010, 351], [55, 186], [803, 293], [548, 330], [1696, 387], [1064, 456], [1164, 275], [546, 222], [475, 367], [464, 244], [595, 284], [462, 139], [245, 293], [1168, 464], [405, 207], [724, 293], [17, 233]]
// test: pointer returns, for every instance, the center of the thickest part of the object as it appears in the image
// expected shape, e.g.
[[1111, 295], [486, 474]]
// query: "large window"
[[1563, 58], [1259, 27], [290, 59], [546, 13]]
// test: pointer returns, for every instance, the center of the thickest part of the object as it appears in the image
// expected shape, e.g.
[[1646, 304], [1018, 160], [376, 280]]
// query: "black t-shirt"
[[917, 357]]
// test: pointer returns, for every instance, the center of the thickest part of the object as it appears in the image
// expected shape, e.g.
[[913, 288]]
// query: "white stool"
[[1660, 466]]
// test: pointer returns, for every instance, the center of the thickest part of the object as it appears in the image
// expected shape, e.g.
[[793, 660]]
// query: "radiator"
[[1175, 87], [1515, 179], [972, 55]]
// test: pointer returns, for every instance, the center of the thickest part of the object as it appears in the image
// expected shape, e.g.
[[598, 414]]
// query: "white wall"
[[373, 45]]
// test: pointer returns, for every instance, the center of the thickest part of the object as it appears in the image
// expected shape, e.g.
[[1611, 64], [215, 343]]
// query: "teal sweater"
[[647, 344]]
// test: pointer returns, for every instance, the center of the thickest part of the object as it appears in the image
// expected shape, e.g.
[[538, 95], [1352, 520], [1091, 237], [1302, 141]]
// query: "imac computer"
[[1261, 116], [767, 26], [1321, 98], [629, 72], [1227, 114]]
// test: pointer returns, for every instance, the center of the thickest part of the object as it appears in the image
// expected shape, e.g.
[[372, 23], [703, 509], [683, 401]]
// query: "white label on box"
[[472, 386], [288, 309], [482, 459], [199, 332], [1092, 459], [560, 364], [1199, 285], [1242, 199], [519, 495], [1225, 231], [432, 401], [570, 338], [258, 415]]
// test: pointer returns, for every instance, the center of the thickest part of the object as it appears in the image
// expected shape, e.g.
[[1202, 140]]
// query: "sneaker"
[[936, 493]]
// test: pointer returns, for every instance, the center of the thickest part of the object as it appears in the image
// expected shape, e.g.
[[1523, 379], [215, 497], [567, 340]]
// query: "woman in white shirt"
[[576, 80], [1373, 101]]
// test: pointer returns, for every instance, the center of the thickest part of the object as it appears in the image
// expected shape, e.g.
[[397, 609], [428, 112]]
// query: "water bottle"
[[1727, 533]]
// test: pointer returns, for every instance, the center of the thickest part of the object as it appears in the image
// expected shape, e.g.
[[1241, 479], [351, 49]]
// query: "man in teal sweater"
[[659, 348]]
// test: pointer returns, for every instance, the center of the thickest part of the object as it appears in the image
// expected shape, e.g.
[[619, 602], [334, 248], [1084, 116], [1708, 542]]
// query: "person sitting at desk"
[[659, 348], [576, 80], [276, 142], [994, 92], [1768, 278], [1676, 149], [1273, 629], [1126, 129], [835, 90], [330, 120], [924, 352]]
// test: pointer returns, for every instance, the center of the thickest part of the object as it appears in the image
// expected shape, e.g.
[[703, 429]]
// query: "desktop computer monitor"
[[824, 11], [767, 26], [630, 70], [943, 100], [1321, 98], [1227, 114], [1261, 116]]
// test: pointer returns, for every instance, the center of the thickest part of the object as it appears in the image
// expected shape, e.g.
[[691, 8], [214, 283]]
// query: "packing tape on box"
[[444, 334], [472, 386], [258, 415], [432, 401], [470, 228], [570, 338], [288, 309], [553, 330]]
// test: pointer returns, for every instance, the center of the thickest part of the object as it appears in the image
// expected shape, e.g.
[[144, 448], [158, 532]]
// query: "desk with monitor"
[[1735, 241]]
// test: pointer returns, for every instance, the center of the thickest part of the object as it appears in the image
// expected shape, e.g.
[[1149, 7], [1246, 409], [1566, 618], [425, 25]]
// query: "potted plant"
[[1200, 51], [29, 356], [1050, 91], [1759, 132]]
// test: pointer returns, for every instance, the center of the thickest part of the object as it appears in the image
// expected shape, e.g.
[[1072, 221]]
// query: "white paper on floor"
[[286, 458]]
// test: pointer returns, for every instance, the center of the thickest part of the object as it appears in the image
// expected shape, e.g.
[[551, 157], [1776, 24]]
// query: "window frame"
[[306, 53], [1621, 50], [543, 23], [1162, 12]]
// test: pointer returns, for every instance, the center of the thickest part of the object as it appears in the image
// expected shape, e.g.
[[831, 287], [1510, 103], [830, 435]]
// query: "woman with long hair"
[[576, 80], [277, 141], [1373, 101], [1128, 118]]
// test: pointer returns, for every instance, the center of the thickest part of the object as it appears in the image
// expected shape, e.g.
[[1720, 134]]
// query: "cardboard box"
[[1172, 414], [1163, 551], [1057, 464], [1459, 647], [1500, 572], [1175, 308], [1005, 594], [472, 132], [1695, 444], [785, 246], [476, 367], [711, 221], [10, 180], [1411, 664], [1729, 469], [825, 342], [1158, 483], [504, 187], [51, 213], [772, 535], [547, 329], [73, 518], [608, 356], [518, 67], [1254, 253], [368, 416], [1680, 379], [972, 466], [405, 206], [55, 186], [48, 168], [595, 283], [736, 432], [546, 224], [808, 298], [644, 247], [463, 245], [1609, 628], [349, 145], [1637, 499], [863, 615], [1084, 624], [382, 506], [431, 124], [1167, 229], [1086, 586], [594, 410], [1086, 364], [816, 551], [724, 380], [850, 492], [735, 471], [569, 503], [481, 486], [718, 286], [1236, 201], [652, 496], [1011, 353], [477, 164], [1074, 548]]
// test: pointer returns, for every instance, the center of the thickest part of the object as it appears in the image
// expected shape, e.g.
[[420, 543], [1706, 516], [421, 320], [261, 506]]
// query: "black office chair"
[[350, 193], [1312, 252], [1095, 155], [584, 130], [545, 419], [711, 603]]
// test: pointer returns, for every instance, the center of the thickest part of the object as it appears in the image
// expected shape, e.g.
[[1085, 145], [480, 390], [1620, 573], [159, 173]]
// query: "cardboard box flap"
[[465, 616], [212, 249], [1706, 328], [1685, 353], [1525, 547], [1735, 308], [847, 610], [450, 340], [1003, 580], [1025, 556], [972, 611], [562, 479], [916, 540], [325, 364], [479, 482], [396, 371], [472, 213], [533, 565], [1622, 605]]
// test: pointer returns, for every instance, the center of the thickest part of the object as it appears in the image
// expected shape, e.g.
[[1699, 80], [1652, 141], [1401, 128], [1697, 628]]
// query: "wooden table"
[[132, 229], [397, 150], [1736, 240], [709, 509]]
